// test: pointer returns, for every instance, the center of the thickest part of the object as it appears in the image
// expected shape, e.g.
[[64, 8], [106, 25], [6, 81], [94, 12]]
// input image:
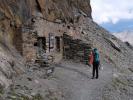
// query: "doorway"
[[42, 43], [57, 43], [41, 46]]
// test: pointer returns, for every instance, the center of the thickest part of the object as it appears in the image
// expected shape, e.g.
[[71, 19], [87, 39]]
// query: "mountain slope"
[[72, 17], [119, 55], [72, 78], [125, 36]]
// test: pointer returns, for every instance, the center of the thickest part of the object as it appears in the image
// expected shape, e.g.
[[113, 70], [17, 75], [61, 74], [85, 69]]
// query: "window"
[[51, 41]]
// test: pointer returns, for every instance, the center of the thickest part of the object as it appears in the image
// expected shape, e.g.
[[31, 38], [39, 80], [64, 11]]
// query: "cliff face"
[[51, 9], [13, 13], [64, 9], [16, 14]]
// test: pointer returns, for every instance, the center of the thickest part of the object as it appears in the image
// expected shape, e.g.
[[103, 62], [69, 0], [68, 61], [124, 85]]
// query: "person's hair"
[[95, 49]]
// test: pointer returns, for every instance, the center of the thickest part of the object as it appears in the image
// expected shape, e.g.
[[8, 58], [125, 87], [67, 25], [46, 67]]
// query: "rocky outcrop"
[[64, 9], [11, 65], [51, 9]]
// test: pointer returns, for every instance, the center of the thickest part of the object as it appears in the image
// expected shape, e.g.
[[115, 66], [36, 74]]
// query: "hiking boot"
[[92, 78]]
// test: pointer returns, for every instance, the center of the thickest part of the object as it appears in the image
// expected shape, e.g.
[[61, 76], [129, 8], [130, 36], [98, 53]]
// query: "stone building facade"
[[48, 41]]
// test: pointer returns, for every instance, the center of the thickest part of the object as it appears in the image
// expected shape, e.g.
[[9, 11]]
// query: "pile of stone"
[[76, 49], [45, 63]]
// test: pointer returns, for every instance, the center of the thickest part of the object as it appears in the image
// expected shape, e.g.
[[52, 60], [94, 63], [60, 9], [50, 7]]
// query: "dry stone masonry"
[[76, 49]]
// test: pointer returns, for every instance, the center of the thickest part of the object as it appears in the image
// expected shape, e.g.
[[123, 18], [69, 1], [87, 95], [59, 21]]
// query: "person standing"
[[96, 63]]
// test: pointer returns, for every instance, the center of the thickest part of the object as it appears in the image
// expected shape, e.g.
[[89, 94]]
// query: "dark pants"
[[95, 69]]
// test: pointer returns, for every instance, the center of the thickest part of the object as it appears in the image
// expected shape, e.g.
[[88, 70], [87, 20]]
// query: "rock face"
[[14, 14], [16, 17], [51, 9], [11, 65], [64, 9]]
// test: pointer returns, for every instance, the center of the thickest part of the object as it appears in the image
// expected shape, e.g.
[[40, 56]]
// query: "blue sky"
[[120, 26], [115, 16]]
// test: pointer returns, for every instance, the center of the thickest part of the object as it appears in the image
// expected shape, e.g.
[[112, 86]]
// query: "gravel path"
[[70, 81], [76, 83]]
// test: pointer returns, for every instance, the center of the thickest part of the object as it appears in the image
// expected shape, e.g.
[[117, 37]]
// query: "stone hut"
[[45, 41]]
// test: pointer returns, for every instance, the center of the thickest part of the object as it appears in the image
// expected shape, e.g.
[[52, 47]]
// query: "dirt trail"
[[70, 81], [76, 83]]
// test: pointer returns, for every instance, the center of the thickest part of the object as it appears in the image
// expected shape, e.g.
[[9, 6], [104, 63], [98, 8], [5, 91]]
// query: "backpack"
[[96, 56]]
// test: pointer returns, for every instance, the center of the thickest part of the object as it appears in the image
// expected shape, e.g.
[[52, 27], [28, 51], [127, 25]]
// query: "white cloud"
[[104, 11]]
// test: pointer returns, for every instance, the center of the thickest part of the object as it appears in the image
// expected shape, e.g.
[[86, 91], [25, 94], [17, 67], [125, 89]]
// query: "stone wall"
[[76, 49], [42, 28], [29, 50]]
